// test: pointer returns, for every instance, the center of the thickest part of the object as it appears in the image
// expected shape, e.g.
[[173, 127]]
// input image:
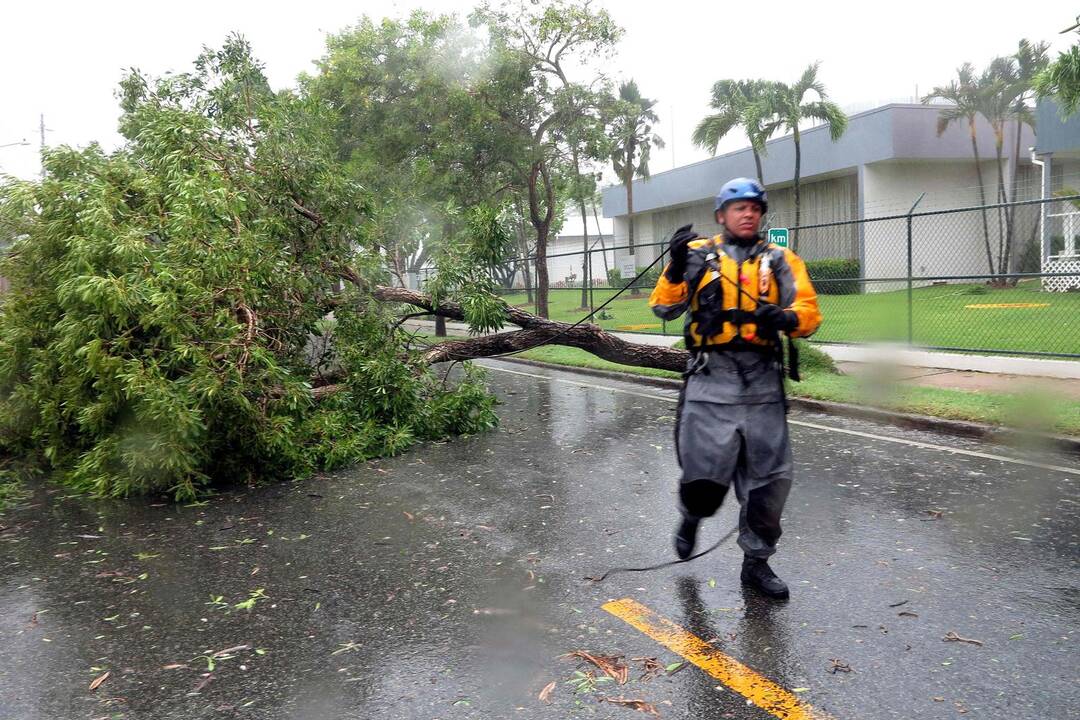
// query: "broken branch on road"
[[611, 665], [951, 636]]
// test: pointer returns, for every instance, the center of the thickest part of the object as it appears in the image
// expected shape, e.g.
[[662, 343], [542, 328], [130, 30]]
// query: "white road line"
[[816, 426]]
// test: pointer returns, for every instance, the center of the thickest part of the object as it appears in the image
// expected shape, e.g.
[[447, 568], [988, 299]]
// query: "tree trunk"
[[440, 321], [584, 240], [757, 164], [1013, 230], [541, 221], [603, 247], [529, 298], [982, 194], [798, 207], [1003, 228], [630, 229], [535, 331], [523, 249]]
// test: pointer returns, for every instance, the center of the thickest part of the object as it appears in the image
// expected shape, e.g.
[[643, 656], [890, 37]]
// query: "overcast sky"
[[64, 59]]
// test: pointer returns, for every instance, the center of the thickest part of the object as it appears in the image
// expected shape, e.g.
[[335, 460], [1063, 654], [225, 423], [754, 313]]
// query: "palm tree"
[[787, 107], [1030, 60], [731, 99], [633, 139], [1061, 78], [966, 97], [996, 103]]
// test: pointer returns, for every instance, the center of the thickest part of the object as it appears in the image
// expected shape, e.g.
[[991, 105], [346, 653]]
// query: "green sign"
[[778, 236]]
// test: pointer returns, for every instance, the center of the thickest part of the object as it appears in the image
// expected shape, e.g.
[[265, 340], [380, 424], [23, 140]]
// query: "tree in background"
[[535, 102], [632, 141], [1006, 87], [786, 107], [1061, 78], [411, 130], [997, 104], [965, 93], [732, 100]]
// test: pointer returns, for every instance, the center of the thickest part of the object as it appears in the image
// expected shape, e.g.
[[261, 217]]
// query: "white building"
[[887, 159]]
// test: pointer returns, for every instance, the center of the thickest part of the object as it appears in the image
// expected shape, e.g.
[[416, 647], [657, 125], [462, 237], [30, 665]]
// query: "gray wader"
[[731, 428]]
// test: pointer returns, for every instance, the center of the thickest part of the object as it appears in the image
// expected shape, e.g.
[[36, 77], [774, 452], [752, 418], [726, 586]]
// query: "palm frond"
[[1062, 79], [808, 82], [829, 112], [712, 129]]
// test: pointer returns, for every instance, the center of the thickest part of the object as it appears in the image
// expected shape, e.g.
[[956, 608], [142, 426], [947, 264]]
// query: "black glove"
[[774, 317], [678, 249]]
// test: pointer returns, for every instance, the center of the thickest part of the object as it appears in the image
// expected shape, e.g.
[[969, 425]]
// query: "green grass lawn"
[[1044, 413], [942, 315]]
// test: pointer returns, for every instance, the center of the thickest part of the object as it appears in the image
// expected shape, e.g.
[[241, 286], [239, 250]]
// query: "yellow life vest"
[[717, 294]]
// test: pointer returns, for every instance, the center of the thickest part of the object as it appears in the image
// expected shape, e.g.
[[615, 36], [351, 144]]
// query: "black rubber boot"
[[685, 537], [757, 574]]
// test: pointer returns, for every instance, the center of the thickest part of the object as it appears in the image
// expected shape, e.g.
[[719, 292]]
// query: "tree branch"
[[535, 331]]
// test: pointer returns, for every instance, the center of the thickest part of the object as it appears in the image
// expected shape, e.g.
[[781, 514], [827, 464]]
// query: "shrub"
[[646, 281], [835, 276]]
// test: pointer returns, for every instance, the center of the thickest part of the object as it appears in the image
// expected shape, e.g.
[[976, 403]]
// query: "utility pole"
[[41, 126]]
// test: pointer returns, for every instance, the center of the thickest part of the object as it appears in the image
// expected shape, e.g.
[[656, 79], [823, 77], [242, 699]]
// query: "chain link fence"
[[1001, 278]]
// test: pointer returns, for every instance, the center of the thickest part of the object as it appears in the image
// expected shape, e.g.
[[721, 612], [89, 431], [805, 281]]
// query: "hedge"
[[834, 276]]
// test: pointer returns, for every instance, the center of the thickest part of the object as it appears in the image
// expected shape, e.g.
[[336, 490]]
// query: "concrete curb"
[[960, 428]]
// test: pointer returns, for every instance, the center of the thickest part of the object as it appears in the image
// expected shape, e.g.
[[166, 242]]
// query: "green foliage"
[[412, 129], [647, 281], [1061, 78], [733, 101], [157, 335], [834, 276], [631, 133], [12, 477], [813, 361]]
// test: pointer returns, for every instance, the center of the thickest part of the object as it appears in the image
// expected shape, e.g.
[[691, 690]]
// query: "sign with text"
[[778, 236], [627, 268]]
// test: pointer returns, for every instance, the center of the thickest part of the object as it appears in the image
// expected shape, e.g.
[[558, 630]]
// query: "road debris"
[[953, 637], [639, 705], [650, 666], [545, 694], [839, 666], [611, 665], [96, 683]]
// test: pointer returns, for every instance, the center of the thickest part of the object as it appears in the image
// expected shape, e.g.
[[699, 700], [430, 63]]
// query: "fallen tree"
[[535, 331], [175, 318]]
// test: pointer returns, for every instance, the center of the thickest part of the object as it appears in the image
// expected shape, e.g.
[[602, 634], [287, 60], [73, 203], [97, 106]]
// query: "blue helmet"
[[742, 189]]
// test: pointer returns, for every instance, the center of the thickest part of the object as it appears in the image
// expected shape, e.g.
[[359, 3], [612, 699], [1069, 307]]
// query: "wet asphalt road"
[[446, 583]]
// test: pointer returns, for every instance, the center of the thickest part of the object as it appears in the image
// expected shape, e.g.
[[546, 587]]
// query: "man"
[[741, 293]]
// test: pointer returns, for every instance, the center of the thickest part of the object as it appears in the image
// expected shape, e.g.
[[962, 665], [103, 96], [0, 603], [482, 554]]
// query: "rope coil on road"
[[648, 568]]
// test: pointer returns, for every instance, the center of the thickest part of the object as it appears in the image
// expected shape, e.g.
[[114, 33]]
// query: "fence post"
[[910, 273]]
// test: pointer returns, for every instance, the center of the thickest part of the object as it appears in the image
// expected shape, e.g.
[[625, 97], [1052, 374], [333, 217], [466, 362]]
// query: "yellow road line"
[[756, 688]]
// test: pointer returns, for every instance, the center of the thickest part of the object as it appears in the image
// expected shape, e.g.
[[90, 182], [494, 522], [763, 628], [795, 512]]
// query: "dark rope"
[[708, 550]]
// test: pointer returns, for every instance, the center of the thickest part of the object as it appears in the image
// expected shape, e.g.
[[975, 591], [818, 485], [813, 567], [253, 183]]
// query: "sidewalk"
[[956, 371]]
